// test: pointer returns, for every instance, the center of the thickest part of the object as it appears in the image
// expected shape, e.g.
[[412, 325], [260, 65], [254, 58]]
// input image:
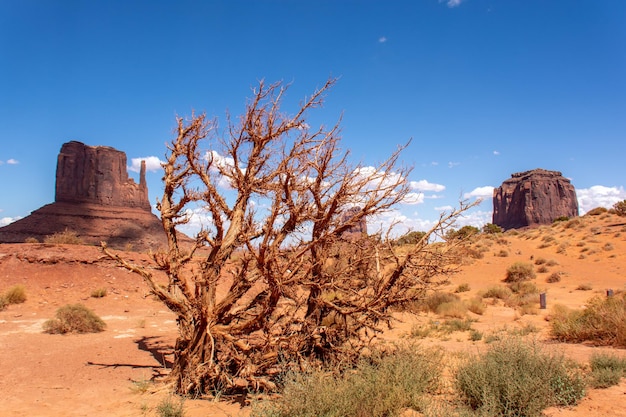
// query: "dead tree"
[[271, 282]]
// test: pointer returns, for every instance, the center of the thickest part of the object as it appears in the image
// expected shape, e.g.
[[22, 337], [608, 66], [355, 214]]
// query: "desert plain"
[[119, 372]]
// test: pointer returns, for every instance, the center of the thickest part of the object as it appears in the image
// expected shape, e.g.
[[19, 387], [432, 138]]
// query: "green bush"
[[410, 238], [516, 378], [16, 294], [519, 271], [381, 385], [74, 318], [464, 232], [602, 321], [490, 229], [606, 370]]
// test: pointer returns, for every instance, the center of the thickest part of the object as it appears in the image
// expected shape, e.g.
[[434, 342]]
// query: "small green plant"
[[519, 271], [170, 408], [462, 288], [16, 294], [516, 378], [74, 318], [410, 238], [99, 293], [490, 229], [141, 386], [67, 237], [606, 370]]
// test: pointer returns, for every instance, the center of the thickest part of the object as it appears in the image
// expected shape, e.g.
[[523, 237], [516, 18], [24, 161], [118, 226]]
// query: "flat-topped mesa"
[[532, 198], [98, 175]]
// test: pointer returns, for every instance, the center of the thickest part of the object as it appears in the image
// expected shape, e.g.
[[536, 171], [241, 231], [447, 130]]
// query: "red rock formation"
[[97, 175], [533, 198], [97, 200]]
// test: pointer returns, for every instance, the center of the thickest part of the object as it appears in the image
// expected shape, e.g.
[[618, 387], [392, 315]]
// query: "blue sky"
[[484, 88]]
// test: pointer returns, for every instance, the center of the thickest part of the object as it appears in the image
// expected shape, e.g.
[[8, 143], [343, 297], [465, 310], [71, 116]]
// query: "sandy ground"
[[103, 374]]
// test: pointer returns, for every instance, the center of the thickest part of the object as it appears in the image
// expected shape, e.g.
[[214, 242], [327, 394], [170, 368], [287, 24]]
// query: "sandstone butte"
[[533, 198], [96, 199]]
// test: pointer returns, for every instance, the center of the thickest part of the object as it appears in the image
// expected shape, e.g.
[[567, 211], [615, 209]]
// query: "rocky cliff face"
[[97, 200], [97, 175], [533, 198]]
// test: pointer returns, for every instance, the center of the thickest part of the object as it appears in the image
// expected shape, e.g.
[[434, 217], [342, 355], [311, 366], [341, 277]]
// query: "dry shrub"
[[15, 294], [436, 299], [67, 237], [608, 246], [602, 322], [476, 306], [597, 211], [462, 288], [99, 293], [31, 240], [74, 318], [381, 385], [542, 269], [540, 261], [584, 287], [456, 309], [519, 271], [516, 378], [499, 291], [554, 277], [503, 253], [552, 262], [606, 370]]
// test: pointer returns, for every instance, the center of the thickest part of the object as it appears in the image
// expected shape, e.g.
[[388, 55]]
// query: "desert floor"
[[102, 374]]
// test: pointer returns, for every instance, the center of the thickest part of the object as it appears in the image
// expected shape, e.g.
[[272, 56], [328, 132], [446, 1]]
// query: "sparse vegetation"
[[464, 287], [597, 211], [31, 240], [499, 292], [619, 208], [464, 232], [554, 277], [476, 306], [16, 294], [490, 229], [561, 219], [168, 407], [602, 321], [502, 253], [410, 238], [67, 237], [584, 287], [519, 271], [382, 385], [606, 370], [99, 293], [74, 318], [516, 378]]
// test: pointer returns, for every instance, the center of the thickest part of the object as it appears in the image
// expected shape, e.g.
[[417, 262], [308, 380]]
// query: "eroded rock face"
[[533, 198], [97, 175], [97, 200]]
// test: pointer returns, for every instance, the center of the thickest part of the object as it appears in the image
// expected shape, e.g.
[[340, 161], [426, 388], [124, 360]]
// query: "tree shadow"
[[159, 351]]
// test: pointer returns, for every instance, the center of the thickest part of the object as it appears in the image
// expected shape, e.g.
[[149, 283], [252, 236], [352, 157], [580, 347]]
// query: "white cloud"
[[382, 39], [453, 164], [476, 218], [452, 3], [13, 161], [599, 196], [423, 185], [153, 164], [8, 220], [496, 153], [444, 208], [480, 192], [413, 198]]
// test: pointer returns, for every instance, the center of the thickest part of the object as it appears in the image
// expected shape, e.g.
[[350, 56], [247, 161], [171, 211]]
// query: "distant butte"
[[533, 198], [96, 199]]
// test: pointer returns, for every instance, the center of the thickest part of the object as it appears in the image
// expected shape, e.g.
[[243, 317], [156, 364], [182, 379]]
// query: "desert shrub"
[[597, 211], [542, 269], [382, 385], [554, 277], [31, 240], [551, 262], [476, 306], [462, 288], [519, 271], [464, 232], [561, 219], [410, 238], [523, 288], [490, 229], [608, 246], [516, 378], [475, 335], [503, 253], [562, 248], [619, 208], [16, 294], [540, 261], [170, 408], [456, 325], [606, 370], [602, 321], [67, 237], [499, 291], [434, 300], [584, 287], [3, 303], [74, 318], [452, 309], [99, 293]]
